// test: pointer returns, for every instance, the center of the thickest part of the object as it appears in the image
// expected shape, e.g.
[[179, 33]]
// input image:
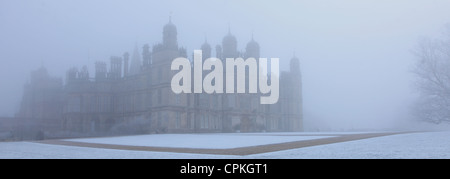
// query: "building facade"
[[134, 95]]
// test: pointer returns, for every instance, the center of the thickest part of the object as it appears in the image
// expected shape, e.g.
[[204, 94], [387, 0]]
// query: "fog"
[[355, 56]]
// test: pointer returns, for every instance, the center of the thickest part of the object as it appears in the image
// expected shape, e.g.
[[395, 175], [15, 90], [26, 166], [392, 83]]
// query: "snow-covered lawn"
[[30, 150], [409, 145]]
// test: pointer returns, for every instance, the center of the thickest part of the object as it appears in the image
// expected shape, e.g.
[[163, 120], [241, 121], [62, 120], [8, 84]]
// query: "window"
[[207, 121], [159, 76], [231, 101], [105, 100], [159, 119], [215, 101], [139, 102], [192, 121], [244, 102], [177, 120], [177, 99], [204, 100], [159, 96], [202, 122], [129, 103], [74, 104], [216, 120], [188, 99], [148, 100]]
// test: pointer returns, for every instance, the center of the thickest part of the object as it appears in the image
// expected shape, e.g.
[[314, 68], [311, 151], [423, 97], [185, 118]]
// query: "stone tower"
[[229, 46], [252, 49], [170, 35], [296, 100], [135, 66]]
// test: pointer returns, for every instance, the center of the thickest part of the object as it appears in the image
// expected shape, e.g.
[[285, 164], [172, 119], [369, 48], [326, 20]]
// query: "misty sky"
[[355, 55]]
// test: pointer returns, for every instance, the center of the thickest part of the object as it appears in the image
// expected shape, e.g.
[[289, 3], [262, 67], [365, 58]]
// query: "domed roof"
[[170, 27], [170, 36], [229, 45], [206, 49], [252, 44], [229, 39], [206, 45]]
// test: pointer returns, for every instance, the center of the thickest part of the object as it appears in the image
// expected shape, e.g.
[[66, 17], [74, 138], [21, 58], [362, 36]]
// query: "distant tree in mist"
[[432, 70]]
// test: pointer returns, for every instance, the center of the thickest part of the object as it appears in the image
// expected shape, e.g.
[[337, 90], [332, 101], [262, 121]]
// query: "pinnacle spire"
[[136, 63]]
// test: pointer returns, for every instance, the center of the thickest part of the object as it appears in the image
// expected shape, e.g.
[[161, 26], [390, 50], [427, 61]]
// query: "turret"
[[170, 35], [252, 49], [84, 73], [126, 57], [136, 62], [71, 75], [146, 55], [295, 65], [206, 51], [219, 51], [229, 45], [100, 70], [116, 68]]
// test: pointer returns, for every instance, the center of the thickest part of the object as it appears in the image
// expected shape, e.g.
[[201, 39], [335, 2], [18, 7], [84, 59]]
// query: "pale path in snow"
[[112, 143]]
